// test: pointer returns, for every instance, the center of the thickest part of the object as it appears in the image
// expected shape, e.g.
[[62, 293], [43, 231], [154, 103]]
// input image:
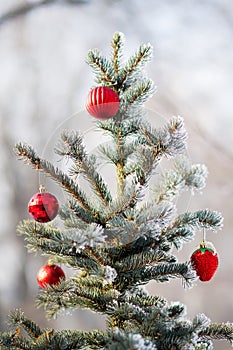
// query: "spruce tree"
[[118, 242]]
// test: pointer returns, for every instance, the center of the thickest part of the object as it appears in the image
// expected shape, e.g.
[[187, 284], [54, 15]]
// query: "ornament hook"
[[203, 242], [42, 188]]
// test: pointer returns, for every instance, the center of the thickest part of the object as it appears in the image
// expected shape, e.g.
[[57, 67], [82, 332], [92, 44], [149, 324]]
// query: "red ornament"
[[205, 262], [102, 102], [50, 275], [43, 207]]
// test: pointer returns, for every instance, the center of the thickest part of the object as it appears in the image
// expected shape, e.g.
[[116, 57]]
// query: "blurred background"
[[44, 81]]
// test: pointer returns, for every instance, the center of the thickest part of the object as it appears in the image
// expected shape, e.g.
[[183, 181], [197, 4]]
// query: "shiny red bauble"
[[43, 207], [205, 262], [102, 102], [50, 275]]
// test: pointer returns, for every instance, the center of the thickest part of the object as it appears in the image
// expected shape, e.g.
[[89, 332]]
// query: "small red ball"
[[50, 275], [43, 207], [102, 102], [205, 262]]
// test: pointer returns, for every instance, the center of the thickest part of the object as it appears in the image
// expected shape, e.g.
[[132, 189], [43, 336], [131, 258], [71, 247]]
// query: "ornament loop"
[[203, 244], [42, 188]]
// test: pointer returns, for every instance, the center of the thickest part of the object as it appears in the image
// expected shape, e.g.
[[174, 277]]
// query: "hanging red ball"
[[205, 262], [50, 275], [102, 102], [43, 207]]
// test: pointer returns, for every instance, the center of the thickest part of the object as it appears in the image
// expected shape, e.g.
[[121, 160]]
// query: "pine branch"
[[146, 320], [143, 243], [76, 215], [200, 219], [13, 341], [109, 73], [82, 292], [109, 151], [151, 219], [139, 296], [51, 339], [161, 322], [17, 318], [28, 154], [117, 46], [52, 241], [194, 335], [143, 259], [127, 128], [220, 331], [183, 176], [102, 68], [183, 228], [180, 236], [68, 340], [169, 140], [142, 165], [129, 340], [125, 313], [161, 273], [180, 333], [135, 63], [136, 95], [120, 205], [72, 147]]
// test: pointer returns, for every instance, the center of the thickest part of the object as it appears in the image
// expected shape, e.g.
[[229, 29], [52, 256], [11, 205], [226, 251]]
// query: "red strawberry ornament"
[[205, 261]]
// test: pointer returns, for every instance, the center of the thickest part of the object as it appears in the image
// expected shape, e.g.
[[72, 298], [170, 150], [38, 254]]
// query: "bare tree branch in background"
[[23, 9]]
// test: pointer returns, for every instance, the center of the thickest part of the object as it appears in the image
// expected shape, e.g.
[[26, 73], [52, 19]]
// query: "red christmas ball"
[[43, 207], [205, 262], [50, 275], [102, 102]]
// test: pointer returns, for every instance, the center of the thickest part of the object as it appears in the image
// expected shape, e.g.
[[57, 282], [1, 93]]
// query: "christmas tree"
[[116, 242]]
